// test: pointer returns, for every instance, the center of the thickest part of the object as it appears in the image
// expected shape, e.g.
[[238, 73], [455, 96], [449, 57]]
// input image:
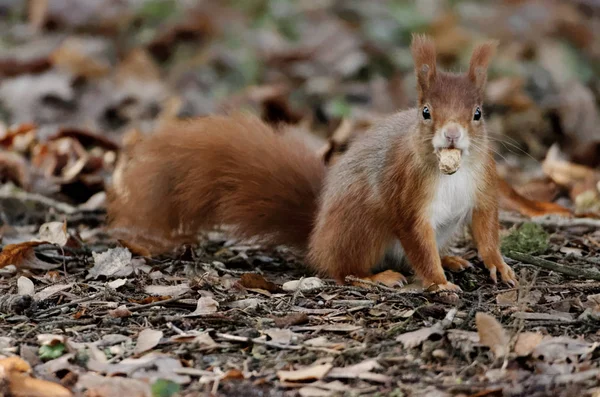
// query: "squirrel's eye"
[[477, 114], [426, 114]]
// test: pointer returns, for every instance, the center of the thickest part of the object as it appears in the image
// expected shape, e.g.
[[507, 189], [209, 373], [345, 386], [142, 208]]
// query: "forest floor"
[[84, 314]]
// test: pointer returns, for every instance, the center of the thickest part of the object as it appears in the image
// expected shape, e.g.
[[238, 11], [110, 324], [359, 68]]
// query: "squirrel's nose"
[[452, 134]]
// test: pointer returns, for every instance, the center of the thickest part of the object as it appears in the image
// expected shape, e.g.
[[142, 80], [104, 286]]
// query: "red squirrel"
[[385, 198]]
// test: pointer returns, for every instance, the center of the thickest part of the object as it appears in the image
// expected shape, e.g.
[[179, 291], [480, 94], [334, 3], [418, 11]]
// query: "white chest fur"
[[453, 202]]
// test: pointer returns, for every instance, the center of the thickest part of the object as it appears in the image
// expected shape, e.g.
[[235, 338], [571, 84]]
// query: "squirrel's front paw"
[[447, 286], [506, 273]]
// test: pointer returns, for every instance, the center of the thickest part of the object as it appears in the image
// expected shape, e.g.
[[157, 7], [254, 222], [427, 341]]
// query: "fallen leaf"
[[527, 342], [100, 386], [308, 373], [281, 336], [115, 262], [206, 305], [120, 312], [115, 284], [150, 367], [201, 338], [491, 334], [303, 284], [22, 255], [413, 339], [507, 298], [50, 291], [233, 374], [147, 339], [250, 303], [578, 252], [54, 233], [25, 286], [171, 290], [253, 280], [361, 370], [292, 319]]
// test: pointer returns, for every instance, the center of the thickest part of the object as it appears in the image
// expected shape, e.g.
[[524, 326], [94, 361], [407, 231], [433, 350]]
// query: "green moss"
[[529, 238]]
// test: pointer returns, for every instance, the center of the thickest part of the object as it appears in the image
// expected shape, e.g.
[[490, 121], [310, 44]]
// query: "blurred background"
[[82, 79]]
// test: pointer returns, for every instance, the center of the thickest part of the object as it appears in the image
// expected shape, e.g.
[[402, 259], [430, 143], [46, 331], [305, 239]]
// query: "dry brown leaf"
[[15, 168], [206, 305], [292, 319], [527, 342], [281, 336], [120, 312], [147, 339], [315, 372], [170, 290], [492, 334], [22, 255], [361, 370], [303, 284], [100, 386], [253, 280]]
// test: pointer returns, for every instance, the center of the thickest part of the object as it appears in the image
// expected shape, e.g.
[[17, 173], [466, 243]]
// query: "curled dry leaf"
[[115, 262], [120, 312], [492, 334], [147, 339], [54, 233], [315, 372], [206, 305], [303, 284], [22, 255], [25, 286]]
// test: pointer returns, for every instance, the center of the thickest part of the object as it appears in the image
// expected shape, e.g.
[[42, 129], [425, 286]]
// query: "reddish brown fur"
[[237, 171], [220, 170]]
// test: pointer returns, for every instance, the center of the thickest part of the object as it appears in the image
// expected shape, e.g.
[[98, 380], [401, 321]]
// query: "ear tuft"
[[423, 52], [480, 60]]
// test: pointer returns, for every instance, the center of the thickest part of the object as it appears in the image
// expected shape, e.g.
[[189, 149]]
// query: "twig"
[[550, 220], [235, 338], [38, 198], [45, 313], [557, 267], [157, 303]]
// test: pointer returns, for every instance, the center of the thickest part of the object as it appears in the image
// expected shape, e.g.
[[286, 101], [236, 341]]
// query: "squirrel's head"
[[450, 109]]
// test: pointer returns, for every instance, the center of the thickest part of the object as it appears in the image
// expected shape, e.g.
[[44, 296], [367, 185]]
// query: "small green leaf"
[[48, 352], [164, 388]]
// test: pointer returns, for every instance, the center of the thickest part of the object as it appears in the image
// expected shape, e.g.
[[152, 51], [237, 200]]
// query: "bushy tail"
[[234, 171]]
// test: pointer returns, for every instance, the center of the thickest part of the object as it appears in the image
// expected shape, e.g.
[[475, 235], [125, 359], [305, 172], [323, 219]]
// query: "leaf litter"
[[86, 314]]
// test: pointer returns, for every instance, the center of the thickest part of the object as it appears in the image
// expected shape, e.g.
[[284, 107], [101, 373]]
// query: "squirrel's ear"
[[480, 60], [423, 52]]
